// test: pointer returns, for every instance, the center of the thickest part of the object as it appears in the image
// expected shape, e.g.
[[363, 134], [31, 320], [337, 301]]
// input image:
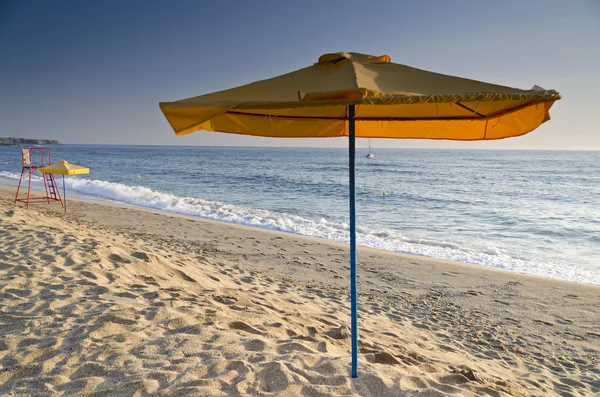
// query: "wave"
[[390, 240]]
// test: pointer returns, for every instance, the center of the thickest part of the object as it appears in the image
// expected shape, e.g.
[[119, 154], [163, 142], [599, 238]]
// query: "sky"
[[93, 72]]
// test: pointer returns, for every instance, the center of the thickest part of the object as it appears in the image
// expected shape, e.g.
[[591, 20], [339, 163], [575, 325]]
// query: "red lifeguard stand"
[[33, 158]]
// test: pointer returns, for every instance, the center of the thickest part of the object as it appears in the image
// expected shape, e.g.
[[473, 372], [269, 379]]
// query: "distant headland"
[[24, 141]]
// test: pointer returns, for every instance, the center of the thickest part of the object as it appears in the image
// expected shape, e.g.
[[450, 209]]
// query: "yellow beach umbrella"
[[364, 96], [63, 168], [392, 101]]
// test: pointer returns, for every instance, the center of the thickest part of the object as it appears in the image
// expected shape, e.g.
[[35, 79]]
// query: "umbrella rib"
[[343, 118], [474, 111]]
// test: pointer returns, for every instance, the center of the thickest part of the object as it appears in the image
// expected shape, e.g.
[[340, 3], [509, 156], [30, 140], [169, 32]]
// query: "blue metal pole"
[[352, 194], [64, 195]]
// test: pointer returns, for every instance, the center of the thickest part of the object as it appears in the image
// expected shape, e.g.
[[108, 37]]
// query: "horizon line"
[[323, 148]]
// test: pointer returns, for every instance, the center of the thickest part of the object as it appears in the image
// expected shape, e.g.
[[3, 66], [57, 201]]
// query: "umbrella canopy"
[[365, 96], [393, 101], [63, 167]]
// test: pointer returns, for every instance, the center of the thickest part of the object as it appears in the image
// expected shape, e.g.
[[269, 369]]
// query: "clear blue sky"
[[94, 72]]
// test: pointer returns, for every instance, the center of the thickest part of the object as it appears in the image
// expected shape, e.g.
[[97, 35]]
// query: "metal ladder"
[[51, 187]]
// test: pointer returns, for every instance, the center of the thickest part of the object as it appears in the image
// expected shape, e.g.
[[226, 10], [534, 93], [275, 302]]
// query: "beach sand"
[[119, 301]]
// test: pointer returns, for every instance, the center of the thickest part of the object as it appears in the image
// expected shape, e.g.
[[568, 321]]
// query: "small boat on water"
[[370, 155]]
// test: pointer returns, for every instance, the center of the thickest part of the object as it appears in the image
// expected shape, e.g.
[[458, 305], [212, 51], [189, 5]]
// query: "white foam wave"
[[385, 239], [13, 175]]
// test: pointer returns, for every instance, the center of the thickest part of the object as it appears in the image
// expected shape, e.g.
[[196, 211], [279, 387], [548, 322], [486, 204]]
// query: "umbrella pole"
[[64, 195], [352, 194]]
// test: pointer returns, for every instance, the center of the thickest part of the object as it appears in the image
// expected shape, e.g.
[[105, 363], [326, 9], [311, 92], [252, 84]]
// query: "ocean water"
[[534, 212]]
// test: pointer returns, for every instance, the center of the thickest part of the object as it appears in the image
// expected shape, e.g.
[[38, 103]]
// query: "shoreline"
[[6, 191], [239, 231]]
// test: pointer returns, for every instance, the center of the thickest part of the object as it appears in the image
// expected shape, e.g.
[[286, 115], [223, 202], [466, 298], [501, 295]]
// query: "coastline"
[[108, 214], [526, 331]]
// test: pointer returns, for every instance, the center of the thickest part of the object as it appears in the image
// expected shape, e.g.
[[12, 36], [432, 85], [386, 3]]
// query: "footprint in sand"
[[293, 347], [126, 295], [224, 299], [141, 255], [184, 276], [449, 274], [248, 280], [151, 295], [242, 326], [382, 358], [18, 292], [118, 258], [89, 275], [255, 345], [148, 280], [562, 320]]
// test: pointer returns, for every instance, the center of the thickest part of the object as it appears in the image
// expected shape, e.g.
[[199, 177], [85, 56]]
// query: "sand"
[[118, 301]]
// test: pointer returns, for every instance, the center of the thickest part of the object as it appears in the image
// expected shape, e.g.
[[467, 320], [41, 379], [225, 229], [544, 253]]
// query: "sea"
[[532, 212]]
